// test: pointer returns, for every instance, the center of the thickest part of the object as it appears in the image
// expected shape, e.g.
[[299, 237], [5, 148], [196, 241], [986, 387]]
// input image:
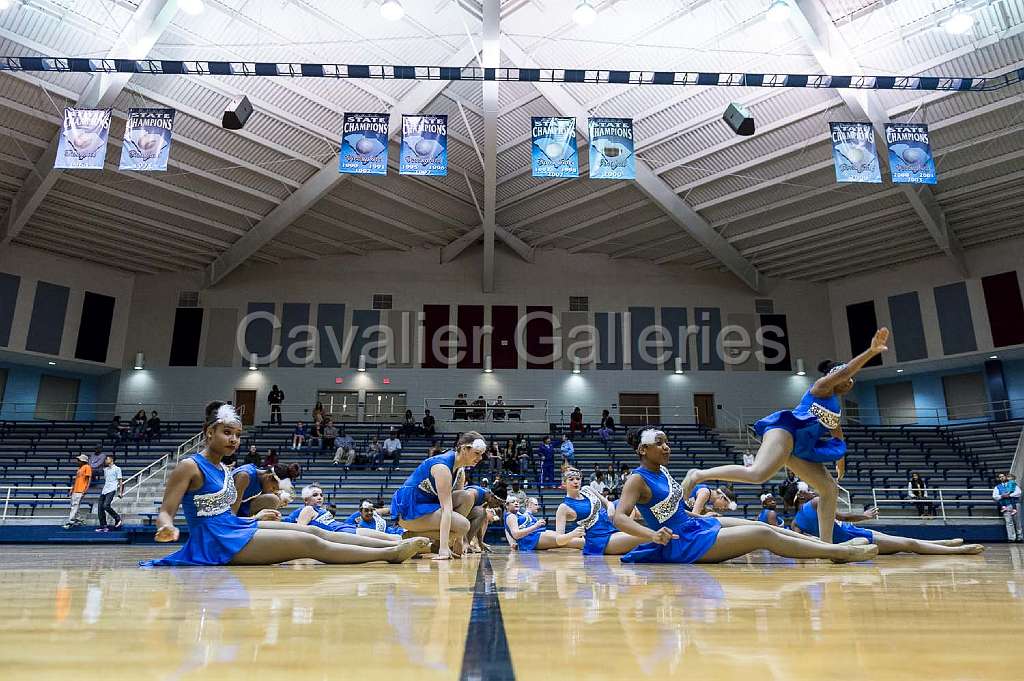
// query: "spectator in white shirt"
[[113, 483], [748, 459], [1007, 494], [393, 448], [598, 485]]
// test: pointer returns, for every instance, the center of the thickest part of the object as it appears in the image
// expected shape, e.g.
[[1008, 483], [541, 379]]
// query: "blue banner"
[[364, 144], [147, 139], [611, 149], [554, 152], [854, 153], [83, 139], [424, 145], [910, 153]]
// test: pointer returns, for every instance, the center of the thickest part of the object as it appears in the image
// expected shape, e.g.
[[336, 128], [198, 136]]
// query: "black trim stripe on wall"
[[1005, 308], [46, 327], [641, 318], [956, 326], [609, 340], [675, 320], [365, 341], [862, 323], [470, 318], [709, 318], [503, 343], [259, 334], [536, 330], [9, 286], [294, 315], [330, 320], [435, 318], [94, 330], [772, 361], [907, 327], [188, 327]]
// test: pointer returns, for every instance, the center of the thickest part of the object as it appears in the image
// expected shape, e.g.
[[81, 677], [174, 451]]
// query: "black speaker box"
[[739, 119], [237, 113]]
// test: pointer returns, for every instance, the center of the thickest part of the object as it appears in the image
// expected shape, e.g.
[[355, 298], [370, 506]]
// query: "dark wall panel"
[[294, 315], [953, 309], [9, 285], [470, 318], [772, 361], [907, 327], [94, 331], [366, 341], [259, 334], [1005, 308], [641, 318], [862, 323], [434, 317], [675, 320], [609, 340], [709, 319], [330, 322], [538, 330], [503, 343], [47, 324], [188, 329]]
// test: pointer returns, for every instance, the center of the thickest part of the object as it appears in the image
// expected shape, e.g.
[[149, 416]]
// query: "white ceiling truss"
[[766, 205]]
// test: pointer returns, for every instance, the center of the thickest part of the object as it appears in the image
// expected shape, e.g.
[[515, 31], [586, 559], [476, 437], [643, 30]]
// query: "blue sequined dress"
[[378, 523], [763, 517], [665, 509], [592, 516], [417, 496], [809, 423], [215, 533], [528, 542], [252, 489], [323, 519]]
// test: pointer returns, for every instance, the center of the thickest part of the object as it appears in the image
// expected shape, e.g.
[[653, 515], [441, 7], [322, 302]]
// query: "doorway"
[[245, 403], [385, 406], [639, 409], [57, 399], [704, 409], [340, 405]]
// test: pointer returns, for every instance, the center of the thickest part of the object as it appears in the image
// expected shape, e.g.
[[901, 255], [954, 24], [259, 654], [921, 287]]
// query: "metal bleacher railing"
[[945, 499]]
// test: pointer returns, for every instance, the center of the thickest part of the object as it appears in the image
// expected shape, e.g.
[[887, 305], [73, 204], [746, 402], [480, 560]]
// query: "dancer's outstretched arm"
[[562, 538], [824, 386], [869, 514], [183, 476]]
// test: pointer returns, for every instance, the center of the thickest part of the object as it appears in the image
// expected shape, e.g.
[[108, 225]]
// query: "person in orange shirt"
[[83, 478]]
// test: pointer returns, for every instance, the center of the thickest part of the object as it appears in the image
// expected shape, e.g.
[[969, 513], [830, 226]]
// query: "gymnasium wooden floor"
[[79, 613]]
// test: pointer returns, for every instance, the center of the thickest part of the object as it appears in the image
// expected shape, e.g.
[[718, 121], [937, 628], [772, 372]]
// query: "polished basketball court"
[[89, 613]]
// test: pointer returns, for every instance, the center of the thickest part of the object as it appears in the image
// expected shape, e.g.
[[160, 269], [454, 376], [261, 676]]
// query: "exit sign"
[[339, 381]]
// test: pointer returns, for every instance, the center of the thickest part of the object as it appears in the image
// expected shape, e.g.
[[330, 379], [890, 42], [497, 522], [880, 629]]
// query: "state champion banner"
[[554, 152], [910, 153], [424, 148], [854, 153], [83, 139], [611, 149], [147, 139], [364, 144]]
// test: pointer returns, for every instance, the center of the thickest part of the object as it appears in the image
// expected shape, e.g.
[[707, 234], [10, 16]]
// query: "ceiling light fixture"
[[392, 10], [252, 362], [778, 11], [192, 7], [899, 371], [4, 4], [959, 22], [584, 14]]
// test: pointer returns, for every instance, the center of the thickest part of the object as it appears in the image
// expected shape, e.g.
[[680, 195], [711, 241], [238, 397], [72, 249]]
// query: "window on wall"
[[966, 397], [385, 406]]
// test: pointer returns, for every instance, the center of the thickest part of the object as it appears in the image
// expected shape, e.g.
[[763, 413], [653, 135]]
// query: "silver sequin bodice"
[[215, 503], [667, 507]]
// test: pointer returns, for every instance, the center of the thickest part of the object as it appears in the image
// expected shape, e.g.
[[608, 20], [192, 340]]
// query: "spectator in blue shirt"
[[546, 453], [298, 435], [1007, 495], [568, 450]]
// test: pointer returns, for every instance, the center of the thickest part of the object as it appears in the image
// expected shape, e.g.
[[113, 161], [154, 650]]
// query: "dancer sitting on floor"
[[525, 532], [314, 514], [703, 494], [676, 536], [261, 488], [427, 505], [591, 512], [806, 521], [368, 518], [205, 489], [769, 514], [803, 439]]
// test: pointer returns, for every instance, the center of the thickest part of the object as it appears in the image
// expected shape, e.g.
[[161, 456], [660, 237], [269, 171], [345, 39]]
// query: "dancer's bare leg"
[[822, 482], [888, 544], [776, 446], [728, 521], [430, 526], [374, 534], [733, 542], [620, 543], [547, 541], [268, 547], [327, 535], [477, 517]]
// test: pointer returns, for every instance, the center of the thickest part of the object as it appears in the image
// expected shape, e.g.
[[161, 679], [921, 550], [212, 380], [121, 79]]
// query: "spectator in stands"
[[138, 425], [918, 493], [576, 421], [408, 425], [518, 492], [769, 514], [1006, 494], [479, 414], [605, 434], [788, 490], [546, 454], [429, 425], [83, 478], [393, 448], [299, 435], [117, 431], [271, 459], [624, 473], [375, 453], [607, 421], [748, 458], [510, 460], [435, 449], [274, 399], [96, 460], [460, 414], [498, 413], [252, 457], [153, 427], [318, 413], [568, 450], [493, 458], [499, 488], [329, 435], [598, 485], [113, 483], [523, 455], [345, 454]]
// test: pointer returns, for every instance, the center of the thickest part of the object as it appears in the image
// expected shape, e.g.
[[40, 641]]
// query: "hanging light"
[[576, 366], [679, 365], [392, 10], [4, 4], [959, 22], [488, 366], [192, 7], [362, 363], [140, 359], [778, 11], [252, 362], [584, 14], [800, 370]]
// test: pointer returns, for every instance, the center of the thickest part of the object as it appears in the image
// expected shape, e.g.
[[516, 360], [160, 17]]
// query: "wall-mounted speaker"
[[739, 119], [237, 113]]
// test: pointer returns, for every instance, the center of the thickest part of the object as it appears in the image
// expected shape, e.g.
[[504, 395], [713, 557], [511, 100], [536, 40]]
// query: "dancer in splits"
[[313, 514], [803, 439], [806, 521], [204, 487], [427, 505], [591, 512], [526, 533], [676, 536]]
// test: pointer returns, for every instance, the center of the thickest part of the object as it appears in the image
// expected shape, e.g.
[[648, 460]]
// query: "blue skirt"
[[409, 503], [212, 540], [529, 542], [811, 440], [696, 537], [597, 538], [847, 531]]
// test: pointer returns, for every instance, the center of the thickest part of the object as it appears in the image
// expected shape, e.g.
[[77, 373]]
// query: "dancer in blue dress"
[[676, 536], [590, 511], [204, 487], [769, 515], [368, 518], [525, 532], [703, 494], [427, 505], [260, 488], [803, 439], [806, 521], [313, 514]]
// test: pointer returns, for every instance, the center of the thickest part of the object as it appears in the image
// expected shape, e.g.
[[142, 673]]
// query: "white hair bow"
[[227, 414], [650, 436]]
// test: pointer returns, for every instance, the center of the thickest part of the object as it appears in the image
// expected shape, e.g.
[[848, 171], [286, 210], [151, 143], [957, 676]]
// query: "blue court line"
[[486, 654]]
